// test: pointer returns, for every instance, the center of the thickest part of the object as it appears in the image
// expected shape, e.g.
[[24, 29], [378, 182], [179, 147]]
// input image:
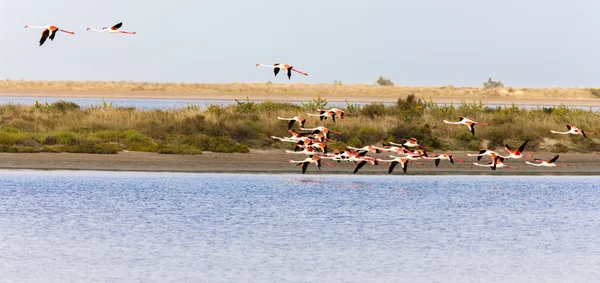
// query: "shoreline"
[[273, 162]]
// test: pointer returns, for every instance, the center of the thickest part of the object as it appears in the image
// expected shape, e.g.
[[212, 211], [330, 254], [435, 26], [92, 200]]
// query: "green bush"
[[492, 84], [178, 149], [92, 147], [384, 81], [374, 109]]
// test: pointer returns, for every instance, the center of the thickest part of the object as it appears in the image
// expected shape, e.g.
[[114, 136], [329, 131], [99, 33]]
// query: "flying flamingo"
[[574, 130], [484, 152], [497, 162], [277, 67], [438, 157], [314, 160], [466, 121], [49, 31], [324, 114], [398, 160], [296, 137], [336, 111], [518, 153], [307, 151], [365, 149], [413, 142], [113, 30], [292, 120], [390, 148], [320, 129], [544, 163], [361, 160]]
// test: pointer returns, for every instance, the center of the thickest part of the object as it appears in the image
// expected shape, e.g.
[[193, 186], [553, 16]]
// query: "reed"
[[66, 127]]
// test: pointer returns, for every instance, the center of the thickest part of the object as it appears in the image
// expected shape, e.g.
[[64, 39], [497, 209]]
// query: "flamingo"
[[398, 160], [438, 157], [361, 160], [544, 163], [277, 67], [292, 120], [307, 151], [320, 129], [413, 142], [365, 149], [484, 152], [574, 130], [314, 160], [518, 153], [336, 111], [49, 31], [113, 30], [390, 148], [324, 114], [296, 137], [466, 121], [497, 162]]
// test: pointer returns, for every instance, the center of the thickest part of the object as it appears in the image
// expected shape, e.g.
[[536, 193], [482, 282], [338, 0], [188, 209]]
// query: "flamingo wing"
[[359, 165], [304, 166], [481, 152], [117, 26], [392, 166], [289, 73], [45, 35], [53, 34], [553, 159], [522, 147], [276, 71], [290, 124], [472, 128]]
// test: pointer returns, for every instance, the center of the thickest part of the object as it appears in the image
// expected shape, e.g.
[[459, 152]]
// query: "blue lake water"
[[148, 104], [64, 226]]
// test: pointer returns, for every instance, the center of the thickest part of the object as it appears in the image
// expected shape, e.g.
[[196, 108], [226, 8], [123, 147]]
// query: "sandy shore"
[[591, 102], [273, 162]]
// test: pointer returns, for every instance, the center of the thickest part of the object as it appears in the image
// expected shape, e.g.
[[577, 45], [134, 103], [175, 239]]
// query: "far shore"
[[533, 101], [262, 91], [274, 162]]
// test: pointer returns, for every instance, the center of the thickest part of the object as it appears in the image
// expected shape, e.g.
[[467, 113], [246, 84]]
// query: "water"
[[61, 226], [148, 104]]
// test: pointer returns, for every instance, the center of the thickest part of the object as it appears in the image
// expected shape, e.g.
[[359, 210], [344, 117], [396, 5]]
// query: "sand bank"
[[274, 162]]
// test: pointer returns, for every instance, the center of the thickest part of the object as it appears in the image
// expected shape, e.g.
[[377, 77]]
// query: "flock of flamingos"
[[313, 143]]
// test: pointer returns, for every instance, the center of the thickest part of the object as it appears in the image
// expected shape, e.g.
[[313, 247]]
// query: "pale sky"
[[530, 43]]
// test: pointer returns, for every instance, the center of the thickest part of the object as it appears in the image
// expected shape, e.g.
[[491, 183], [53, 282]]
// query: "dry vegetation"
[[306, 90], [65, 127]]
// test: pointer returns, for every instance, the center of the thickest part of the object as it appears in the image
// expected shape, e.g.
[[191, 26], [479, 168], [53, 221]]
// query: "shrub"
[[245, 106], [384, 81], [374, 110], [492, 84], [92, 147], [316, 103], [178, 149]]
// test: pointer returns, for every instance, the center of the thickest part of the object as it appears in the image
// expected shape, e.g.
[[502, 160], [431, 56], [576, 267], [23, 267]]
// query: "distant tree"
[[384, 81], [492, 84], [337, 82]]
